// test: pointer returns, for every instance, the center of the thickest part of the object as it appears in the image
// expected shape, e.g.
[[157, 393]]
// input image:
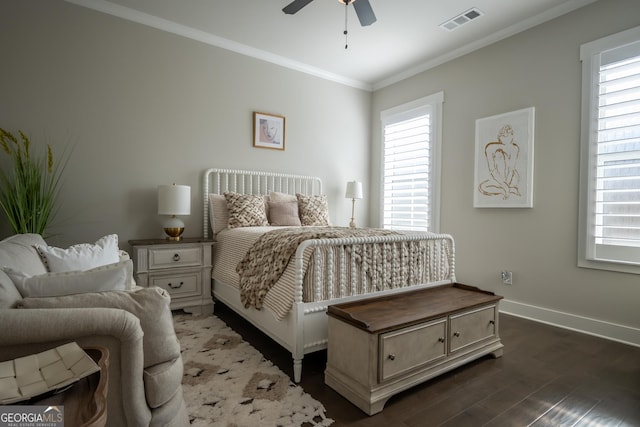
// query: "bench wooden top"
[[380, 313]]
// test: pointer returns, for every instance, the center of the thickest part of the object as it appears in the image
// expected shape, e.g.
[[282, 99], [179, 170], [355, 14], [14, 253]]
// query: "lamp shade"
[[354, 190], [174, 200]]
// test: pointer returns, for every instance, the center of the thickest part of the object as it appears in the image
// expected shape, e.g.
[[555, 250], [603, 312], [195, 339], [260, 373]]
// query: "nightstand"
[[183, 268]]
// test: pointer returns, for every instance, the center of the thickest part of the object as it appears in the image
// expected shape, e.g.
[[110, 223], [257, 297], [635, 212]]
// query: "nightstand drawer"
[[178, 284], [175, 257]]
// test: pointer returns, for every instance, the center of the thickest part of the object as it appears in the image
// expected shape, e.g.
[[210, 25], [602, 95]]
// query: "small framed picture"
[[268, 131]]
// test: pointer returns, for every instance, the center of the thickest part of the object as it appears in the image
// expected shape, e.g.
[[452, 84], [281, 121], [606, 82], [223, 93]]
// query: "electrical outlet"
[[507, 277]]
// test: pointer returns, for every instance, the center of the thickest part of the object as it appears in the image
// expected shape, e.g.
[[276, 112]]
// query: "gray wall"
[[144, 107], [540, 68]]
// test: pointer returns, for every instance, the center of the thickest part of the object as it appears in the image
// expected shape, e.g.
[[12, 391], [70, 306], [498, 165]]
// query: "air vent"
[[461, 19]]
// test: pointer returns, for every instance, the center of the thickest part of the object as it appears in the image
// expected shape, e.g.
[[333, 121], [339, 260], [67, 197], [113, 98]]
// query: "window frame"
[[589, 55], [434, 103]]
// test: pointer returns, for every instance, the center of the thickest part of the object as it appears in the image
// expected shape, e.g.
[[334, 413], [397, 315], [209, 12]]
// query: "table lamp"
[[174, 200], [354, 191]]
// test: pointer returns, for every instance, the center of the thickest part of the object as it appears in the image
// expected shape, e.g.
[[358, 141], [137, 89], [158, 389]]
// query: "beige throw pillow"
[[276, 196], [218, 213], [111, 277], [284, 213]]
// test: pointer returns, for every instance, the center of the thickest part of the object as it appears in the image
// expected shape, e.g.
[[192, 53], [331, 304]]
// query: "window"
[[411, 138], [610, 153]]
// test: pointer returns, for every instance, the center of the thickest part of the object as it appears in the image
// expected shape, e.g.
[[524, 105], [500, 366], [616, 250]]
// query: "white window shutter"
[[410, 168], [610, 198]]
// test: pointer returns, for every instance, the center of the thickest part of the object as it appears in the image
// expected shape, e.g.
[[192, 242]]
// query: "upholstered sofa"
[[135, 325]]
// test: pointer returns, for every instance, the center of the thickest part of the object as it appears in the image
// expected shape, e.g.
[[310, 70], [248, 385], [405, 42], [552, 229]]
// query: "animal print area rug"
[[229, 383]]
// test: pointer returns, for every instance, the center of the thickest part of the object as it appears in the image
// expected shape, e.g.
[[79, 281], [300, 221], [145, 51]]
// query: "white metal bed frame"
[[304, 329]]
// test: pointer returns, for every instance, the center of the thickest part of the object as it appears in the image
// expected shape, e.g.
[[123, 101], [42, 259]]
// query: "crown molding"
[[133, 15], [531, 22]]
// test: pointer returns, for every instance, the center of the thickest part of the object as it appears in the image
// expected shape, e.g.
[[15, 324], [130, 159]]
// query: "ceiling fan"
[[362, 7]]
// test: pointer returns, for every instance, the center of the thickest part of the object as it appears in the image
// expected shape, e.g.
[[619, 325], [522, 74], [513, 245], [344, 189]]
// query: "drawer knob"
[[172, 286], [392, 356], [456, 334], [440, 339], [492, 322], [176, 257]]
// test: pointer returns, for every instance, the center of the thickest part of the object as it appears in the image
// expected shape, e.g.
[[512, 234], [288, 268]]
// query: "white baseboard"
[[586, 325]]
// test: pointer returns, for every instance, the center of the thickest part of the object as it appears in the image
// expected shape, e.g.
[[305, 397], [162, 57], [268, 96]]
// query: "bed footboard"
[[335, 276], [338, 268]]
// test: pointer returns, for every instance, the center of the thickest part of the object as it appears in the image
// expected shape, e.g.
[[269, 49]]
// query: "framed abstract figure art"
[[504, 160]]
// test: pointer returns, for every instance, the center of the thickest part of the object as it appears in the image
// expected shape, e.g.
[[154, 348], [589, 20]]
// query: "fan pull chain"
[[346, 41]]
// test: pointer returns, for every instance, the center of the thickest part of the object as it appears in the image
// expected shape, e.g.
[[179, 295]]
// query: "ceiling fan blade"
[[295, 6], [364, 12]]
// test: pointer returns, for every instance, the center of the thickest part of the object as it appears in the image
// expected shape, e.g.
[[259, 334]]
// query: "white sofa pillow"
[[83, 256], [111, 277]]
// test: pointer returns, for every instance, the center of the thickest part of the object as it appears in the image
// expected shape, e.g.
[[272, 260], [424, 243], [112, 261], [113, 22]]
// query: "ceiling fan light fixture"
[[363, 9]]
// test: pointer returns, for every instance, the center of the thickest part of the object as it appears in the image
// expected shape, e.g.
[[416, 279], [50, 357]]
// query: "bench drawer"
[[410, 348], [472, 327]]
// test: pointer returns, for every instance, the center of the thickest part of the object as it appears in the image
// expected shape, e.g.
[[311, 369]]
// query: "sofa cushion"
[[171, 414], [111, 277], [18, 252], [162, 382], [150, 305], [9, 295], [83, 256]]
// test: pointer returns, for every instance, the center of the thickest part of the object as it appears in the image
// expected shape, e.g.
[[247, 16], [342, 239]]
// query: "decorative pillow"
[[9, 294], [111, 277], [18, 252], [284, 213], [246, 210], [313, 210], [275, 196], [83, 256], [150, 305], [218, 213]]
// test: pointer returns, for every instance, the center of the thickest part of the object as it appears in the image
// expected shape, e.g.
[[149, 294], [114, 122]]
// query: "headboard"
[[218, 181]]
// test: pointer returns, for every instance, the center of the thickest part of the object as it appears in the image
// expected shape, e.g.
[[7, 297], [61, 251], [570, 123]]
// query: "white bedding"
[[233, 244]]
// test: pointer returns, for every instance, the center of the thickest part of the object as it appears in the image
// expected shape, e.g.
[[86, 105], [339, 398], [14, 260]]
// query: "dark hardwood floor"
[[547, 377]]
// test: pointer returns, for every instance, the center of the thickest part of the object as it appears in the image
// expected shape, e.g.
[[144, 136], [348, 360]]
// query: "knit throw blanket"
[[266, 260]]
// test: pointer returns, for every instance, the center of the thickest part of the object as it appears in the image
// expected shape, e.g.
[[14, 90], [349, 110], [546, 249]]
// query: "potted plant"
[[29, 186]]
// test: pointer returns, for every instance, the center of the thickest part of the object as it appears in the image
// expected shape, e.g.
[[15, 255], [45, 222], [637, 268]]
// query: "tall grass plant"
[[30, 185]]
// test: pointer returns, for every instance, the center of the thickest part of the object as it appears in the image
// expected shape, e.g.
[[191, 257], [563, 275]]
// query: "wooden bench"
[[381, 346]]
